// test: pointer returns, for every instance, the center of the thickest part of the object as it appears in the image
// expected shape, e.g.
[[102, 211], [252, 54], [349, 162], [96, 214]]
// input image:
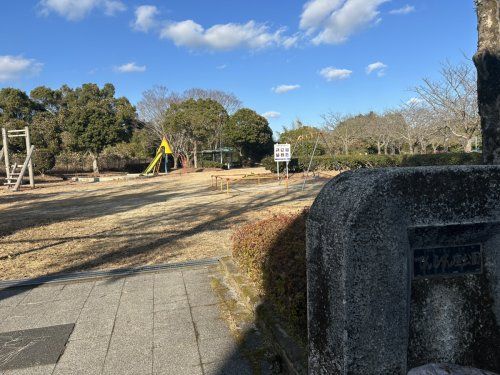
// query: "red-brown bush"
[[272, 253]]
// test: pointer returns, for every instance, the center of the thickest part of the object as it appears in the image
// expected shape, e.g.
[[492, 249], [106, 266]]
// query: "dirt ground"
[[67, 227]]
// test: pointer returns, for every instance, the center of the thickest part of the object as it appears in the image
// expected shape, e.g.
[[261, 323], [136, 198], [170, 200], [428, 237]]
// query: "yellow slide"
[[153, 164], [164, 149]]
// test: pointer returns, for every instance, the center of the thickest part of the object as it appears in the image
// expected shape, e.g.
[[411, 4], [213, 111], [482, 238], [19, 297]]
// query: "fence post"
[[6, 152], [30, 162]]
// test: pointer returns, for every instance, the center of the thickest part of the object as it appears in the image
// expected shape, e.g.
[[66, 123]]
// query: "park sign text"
[[282, 152], [447, 261]]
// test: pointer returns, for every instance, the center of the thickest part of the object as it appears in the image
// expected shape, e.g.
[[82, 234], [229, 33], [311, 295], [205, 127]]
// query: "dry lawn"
[[67, 227]]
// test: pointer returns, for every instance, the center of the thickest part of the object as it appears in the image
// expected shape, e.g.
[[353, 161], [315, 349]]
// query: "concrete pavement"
[[157, 323]]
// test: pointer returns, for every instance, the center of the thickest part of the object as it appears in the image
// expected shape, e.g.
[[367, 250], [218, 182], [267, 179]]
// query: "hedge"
[[272, 252], [269, 163], [211, 164], [342, 162], [455, 158]]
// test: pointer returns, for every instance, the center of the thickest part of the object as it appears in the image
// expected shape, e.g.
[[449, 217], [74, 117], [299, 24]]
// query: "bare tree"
[[487, 60], [376, 130], [422, 123], [453, 98], [152, 107], [227, 99], [391, 122], [343, 129]]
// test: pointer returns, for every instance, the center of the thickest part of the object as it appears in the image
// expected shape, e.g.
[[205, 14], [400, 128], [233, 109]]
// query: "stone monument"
[[404, 270]]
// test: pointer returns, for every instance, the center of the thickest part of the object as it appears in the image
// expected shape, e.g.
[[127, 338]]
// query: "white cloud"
[[14, 67], [291, 41], [271, 115], [316, 11], [227, 36], [334, 21], [221, 67], [130, 67], [281, 89], [331, 74], [378, 67], [111, 7], [145, 17], [75, 10], [404, 10]]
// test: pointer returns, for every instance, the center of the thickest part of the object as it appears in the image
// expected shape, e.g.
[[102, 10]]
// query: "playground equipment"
[[225, 181], [16, 172], [263, 182], [162, 152]]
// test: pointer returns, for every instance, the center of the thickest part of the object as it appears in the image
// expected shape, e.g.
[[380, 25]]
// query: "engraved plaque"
[[447, 261]]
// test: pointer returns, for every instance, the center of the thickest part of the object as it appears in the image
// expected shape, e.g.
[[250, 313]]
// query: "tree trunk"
[[468, 145], [95, 164], [487, 61], [423, 148], [410, 145], [379, 148], [195, 154], [446, 145], [176, 159]]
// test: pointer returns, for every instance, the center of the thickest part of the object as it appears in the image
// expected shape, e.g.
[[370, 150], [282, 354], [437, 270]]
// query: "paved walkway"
[[162, 323]]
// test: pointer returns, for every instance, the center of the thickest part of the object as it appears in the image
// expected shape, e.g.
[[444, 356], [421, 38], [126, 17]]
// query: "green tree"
[[140, 146], [250, 133], [94, 119], [17, 110], [194, 123], [45, 132], [16, 105], [302, 139], [47, 99]]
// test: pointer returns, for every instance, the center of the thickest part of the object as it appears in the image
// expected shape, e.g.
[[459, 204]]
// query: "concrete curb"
[[293, 355], [129, 176], [85, 275]]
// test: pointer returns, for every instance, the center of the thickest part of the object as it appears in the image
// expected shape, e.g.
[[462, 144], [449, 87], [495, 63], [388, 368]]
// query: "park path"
[[167, 322]]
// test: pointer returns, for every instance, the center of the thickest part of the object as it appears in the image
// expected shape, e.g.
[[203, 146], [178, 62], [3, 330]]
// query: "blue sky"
[[297, 58]]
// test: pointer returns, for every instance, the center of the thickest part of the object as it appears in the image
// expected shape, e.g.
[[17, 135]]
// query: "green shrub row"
[[211, 164], [343, 162], [269, 163], [272, 252]]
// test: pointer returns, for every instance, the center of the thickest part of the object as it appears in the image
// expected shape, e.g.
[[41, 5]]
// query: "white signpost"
[[282, 153]]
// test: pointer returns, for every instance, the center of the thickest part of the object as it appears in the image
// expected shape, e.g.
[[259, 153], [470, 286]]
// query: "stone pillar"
[[487, 61]]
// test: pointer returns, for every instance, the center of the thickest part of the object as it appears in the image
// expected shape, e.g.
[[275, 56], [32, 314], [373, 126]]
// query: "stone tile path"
[[160, 323]]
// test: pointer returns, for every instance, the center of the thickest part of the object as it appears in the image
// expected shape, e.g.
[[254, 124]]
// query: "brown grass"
[[66, 227]]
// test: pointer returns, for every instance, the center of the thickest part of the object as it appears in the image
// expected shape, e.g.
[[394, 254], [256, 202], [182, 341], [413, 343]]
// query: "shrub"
[[455, 158], [343, 162], [272, 252], [211, 164], [269, 163], [43, 160]]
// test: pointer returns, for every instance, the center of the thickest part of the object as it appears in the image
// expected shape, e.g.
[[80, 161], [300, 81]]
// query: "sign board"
[[282, 152], [447, 261]]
